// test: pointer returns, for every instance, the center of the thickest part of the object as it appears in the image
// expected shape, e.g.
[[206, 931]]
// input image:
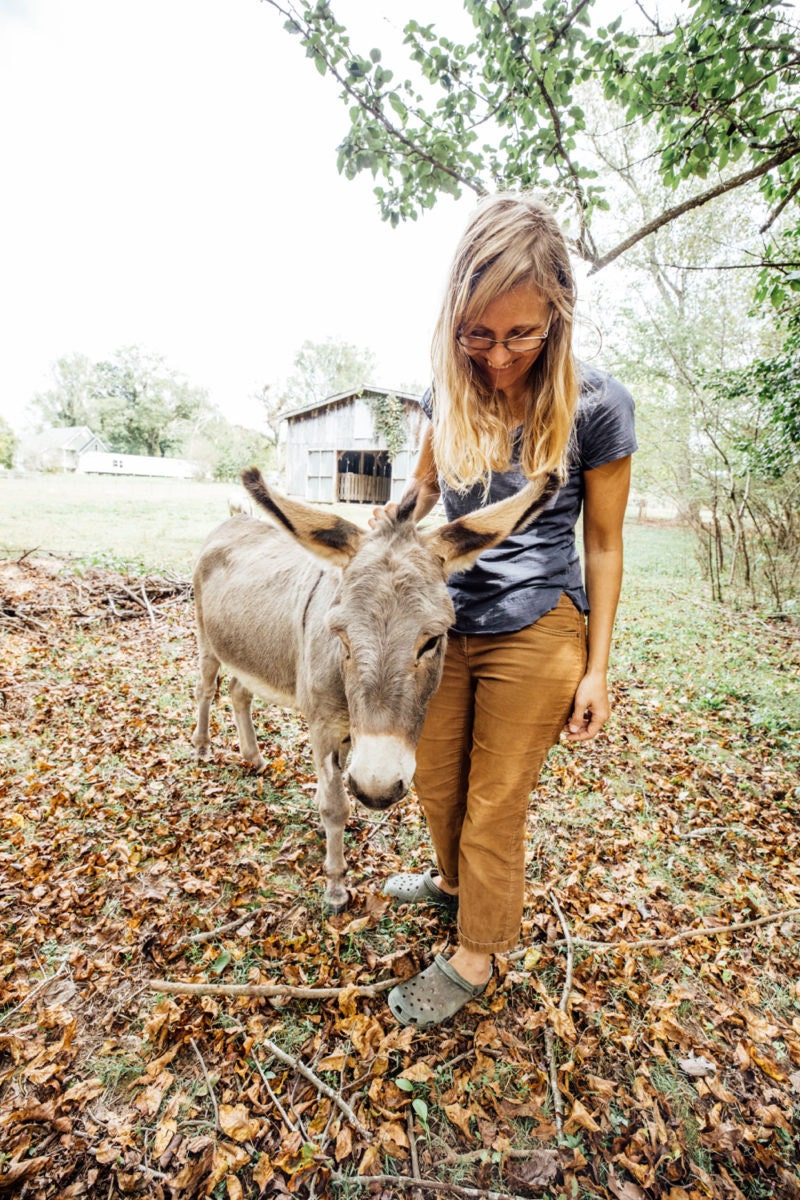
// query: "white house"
[[60, 449]]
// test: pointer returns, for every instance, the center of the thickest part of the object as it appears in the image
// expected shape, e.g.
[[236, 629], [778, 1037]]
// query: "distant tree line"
[[140, 405]]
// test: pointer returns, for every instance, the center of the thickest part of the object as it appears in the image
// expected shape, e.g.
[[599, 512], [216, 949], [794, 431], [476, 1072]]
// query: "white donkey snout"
[[381, 769]]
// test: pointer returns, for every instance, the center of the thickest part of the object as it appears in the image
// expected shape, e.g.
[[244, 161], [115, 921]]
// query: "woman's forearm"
[[603, 570]]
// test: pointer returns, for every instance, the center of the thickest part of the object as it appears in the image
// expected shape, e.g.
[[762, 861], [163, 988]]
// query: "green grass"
[[108, 521]]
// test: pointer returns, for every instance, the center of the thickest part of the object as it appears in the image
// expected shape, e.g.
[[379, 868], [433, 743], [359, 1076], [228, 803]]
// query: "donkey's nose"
[[389, 794], [384, 799], [381, 769]]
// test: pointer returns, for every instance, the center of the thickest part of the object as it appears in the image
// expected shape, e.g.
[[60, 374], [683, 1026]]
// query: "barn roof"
[[350, 394]]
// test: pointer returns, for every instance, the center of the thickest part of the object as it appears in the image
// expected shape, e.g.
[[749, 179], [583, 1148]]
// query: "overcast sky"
[[169, 180]]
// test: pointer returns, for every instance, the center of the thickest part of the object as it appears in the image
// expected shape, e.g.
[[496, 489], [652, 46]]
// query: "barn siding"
[[314, 439]]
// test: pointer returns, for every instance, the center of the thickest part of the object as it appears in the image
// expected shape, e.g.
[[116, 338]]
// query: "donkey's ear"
[[323, 533], [461, 542]]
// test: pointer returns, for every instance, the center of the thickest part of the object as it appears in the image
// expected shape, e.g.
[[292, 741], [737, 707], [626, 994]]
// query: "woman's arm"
[[605, 500]]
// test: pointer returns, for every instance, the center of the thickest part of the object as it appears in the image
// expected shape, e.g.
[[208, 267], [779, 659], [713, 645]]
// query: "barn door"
[[321, 481]]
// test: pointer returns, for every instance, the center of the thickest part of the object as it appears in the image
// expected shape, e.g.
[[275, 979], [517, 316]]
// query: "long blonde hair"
[[512, 240]]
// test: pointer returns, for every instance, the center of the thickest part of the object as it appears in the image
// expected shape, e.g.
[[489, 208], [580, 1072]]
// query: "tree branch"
[[266, 990], [377, 113], [777, 212], [571, 18], [586, 246], [428, 1185], [209, 1086], [678, 210], [290, 1061], [790, 914]]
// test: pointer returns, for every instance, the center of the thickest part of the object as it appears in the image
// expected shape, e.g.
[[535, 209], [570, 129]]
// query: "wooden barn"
[[339, 449]]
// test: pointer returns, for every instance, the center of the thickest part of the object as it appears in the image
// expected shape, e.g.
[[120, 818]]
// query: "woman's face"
[[523, 312]]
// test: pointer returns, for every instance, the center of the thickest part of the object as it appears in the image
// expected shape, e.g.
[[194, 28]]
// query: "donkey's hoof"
[[335, 905]]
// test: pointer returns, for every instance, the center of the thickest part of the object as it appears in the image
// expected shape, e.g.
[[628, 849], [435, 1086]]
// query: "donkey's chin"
[[381, 770]]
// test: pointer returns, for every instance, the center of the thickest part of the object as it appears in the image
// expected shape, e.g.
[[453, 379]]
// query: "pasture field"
[[644, 1044], [157, 524]]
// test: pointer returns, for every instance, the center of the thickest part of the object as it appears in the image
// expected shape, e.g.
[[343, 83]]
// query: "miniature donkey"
[[347, 626]]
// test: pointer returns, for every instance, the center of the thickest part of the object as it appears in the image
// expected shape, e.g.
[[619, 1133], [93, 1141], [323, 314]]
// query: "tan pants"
[[501, 705]]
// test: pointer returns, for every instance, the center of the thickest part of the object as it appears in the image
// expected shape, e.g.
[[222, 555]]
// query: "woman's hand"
[[378, 514], [591, 708]]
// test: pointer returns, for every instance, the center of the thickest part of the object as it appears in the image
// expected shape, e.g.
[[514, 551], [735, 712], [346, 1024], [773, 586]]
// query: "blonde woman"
[[527, 657]]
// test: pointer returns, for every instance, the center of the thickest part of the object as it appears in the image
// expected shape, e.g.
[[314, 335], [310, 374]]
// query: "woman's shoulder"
[[604, 426], [598, 387]]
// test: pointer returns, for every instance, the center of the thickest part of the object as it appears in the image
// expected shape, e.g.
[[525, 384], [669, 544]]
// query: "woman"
[[509, 402]]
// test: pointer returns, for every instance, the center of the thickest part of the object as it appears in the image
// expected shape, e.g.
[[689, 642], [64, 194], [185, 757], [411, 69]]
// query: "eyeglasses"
[[517, 345]]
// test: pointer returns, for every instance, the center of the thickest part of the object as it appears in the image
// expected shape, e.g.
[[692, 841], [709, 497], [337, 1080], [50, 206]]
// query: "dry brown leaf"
[[344, 1143], [580, 1118], [537, 1170], [460, 1116], [624, 1189], [696, 1065], [235, 1121], [263, 1171], [233, 1188]]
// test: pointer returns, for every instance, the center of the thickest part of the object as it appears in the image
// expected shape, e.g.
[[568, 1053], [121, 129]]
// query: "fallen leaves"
[[676, 1051]]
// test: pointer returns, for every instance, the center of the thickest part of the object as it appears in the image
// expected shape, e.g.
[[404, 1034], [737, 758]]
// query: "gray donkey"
[[347, 626]]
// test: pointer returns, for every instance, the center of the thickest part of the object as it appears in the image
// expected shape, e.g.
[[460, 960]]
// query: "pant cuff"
[[499, 946]]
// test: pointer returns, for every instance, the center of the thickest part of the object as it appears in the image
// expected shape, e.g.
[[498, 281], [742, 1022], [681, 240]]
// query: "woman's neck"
[[513, 405]]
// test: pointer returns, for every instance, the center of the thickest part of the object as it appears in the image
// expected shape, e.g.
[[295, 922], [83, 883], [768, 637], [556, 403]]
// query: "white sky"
[[169, 180]]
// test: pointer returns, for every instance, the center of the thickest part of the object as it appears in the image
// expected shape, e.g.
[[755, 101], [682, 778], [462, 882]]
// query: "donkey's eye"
[[431, 645]]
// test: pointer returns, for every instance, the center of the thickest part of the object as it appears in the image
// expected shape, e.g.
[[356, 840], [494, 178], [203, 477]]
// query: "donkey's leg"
[[334, 809], [205, 692], [242, 699]]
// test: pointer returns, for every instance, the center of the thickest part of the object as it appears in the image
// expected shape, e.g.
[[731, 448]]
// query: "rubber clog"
[[433, 996], [419, 889]]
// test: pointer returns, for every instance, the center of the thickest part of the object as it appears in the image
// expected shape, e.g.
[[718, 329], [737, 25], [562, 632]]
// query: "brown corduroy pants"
[[501, 705]]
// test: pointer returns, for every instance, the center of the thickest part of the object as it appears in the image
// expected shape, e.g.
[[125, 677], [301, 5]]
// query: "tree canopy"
[[321, 369], [717, 86], [134, 400]]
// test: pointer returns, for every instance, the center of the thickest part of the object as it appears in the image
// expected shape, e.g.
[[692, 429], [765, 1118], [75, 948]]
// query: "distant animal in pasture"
[[347, 626], [239, 504]]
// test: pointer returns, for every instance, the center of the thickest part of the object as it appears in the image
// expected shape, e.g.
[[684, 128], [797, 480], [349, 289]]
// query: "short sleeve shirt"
[[514, 584]]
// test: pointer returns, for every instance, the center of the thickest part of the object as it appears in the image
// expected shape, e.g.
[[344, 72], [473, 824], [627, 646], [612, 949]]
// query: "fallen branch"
[[209, 1088], [567, 988], [412, 1149], [290, 1061], [208, 935], [428, 1185], [10, 614], [290, 1125], [267, 990], [40, 987], [684, 935], [549, 1033]]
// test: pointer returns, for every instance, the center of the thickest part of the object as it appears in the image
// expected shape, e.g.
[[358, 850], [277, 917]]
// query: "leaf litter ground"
[[671, 1068]]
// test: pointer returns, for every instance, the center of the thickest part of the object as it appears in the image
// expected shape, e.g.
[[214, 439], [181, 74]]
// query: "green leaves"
[[718, 86]]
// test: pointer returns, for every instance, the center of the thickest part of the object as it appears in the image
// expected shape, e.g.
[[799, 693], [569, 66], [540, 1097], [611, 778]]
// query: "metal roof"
[[351, 394]]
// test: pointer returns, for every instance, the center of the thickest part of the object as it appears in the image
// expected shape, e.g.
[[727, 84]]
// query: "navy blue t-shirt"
[[517, 582]]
